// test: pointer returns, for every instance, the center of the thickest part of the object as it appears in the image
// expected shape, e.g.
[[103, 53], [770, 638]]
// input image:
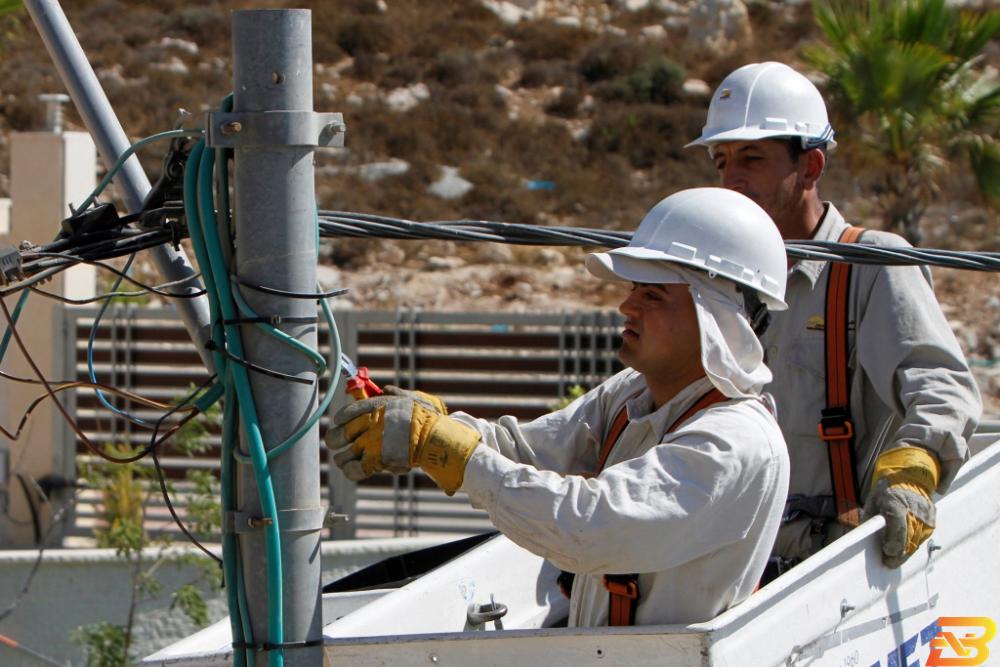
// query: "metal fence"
[[487, 364]]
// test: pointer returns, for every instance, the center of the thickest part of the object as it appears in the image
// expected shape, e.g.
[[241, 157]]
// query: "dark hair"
[[795, 148]]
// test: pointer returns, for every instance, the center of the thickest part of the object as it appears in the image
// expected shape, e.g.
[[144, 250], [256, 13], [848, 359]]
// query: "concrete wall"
[[75, 587], [49, 171]]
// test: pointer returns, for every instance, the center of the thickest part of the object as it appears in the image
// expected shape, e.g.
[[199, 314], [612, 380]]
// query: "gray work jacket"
[[909, 382]]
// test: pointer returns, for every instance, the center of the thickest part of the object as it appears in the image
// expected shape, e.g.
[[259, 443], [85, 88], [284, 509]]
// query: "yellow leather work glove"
[[397, 433], [902, 484], [435, 402]]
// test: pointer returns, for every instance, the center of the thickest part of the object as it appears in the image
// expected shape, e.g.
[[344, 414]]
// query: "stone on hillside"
[[443, 263], [633, 5], [404, 99], [568, 21], [718, 27], [549, 257], [174, 66], [493, 253], [654, 32], [507, 12], [179, 45], [697, 89], [450, 185], [376, 171]]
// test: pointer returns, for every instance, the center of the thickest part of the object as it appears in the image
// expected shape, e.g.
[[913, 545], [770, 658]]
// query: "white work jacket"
[[909, 382], [693, 512]]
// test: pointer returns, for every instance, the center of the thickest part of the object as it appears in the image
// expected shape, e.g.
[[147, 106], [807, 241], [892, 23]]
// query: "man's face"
[[766, 173], [661, 338]]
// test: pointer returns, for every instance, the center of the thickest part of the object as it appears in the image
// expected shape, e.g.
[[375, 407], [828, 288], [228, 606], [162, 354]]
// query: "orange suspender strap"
[[615, 432], [623, 589], [835, 427]]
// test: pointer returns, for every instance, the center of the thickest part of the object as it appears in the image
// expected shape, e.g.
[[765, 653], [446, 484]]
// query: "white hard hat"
[[766, 101], [715, 230]]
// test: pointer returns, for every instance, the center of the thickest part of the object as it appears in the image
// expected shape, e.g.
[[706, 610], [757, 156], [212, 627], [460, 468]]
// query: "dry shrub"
[[545, 40], [549, 73], [457, 68], [645, 134], [567, 104], [611, 57], [366, 35]]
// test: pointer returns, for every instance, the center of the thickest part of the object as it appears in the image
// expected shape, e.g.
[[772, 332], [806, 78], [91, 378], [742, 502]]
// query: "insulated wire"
[[65, 414], [159, 470], [204, 161], [235, 595], [126, 154]]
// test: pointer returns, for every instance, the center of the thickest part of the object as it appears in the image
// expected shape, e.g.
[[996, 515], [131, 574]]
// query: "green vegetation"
[[573, 393], [908, 81], [125, 490]]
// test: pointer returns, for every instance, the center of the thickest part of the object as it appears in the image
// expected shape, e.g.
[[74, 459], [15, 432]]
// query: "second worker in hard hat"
[[873, 393], [662, 488]]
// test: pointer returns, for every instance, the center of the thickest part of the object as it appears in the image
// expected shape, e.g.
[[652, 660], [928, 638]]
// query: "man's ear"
[[814, 164]]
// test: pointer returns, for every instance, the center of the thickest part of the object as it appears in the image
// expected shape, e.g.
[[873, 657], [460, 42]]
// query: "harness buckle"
[[835, 424], [624, 585]]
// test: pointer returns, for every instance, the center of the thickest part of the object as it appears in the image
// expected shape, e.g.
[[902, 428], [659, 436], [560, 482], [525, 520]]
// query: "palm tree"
[[909, 75]]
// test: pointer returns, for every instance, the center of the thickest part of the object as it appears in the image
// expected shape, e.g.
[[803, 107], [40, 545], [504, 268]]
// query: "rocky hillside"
[[570, 112]]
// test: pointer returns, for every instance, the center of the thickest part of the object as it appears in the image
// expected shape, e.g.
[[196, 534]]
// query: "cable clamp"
[[10, 265], [302, 520], [273, 320], [269, 646]]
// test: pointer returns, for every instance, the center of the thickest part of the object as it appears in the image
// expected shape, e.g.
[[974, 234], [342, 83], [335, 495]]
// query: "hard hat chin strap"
[[755, 310]]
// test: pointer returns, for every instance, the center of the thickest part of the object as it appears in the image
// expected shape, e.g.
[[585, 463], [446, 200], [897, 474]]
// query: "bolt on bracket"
[[275, 128]]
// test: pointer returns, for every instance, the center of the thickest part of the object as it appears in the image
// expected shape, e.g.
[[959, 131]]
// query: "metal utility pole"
[[88, 96], [273, 131]]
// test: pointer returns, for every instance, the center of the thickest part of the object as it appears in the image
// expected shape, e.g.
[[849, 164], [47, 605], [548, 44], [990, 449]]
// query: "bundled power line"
[[362, 225]]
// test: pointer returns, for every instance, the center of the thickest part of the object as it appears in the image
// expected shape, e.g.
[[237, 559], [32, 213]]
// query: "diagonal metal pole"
[[133, 185]]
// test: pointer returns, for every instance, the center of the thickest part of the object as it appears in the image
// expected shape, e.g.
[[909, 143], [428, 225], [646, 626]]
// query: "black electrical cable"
[[36, 521], [161, 477], [56, 518], [127, 295], [274, 291], [149, 288], [211, 346]]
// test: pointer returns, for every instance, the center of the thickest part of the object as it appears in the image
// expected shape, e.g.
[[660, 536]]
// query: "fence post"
[[342, 492]]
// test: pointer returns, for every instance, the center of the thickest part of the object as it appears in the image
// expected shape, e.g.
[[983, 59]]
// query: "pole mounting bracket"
[[240, 129]]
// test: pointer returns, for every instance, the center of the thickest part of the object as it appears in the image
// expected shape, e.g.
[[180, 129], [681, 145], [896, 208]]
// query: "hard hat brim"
[[652, 267], [749, 134], [622, 266]]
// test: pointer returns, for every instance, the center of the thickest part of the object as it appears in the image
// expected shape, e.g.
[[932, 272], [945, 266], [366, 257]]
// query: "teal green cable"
[[247, 408], [245, 615], [327, 399], [235, 595], [275, 332], [23, 299], [201, 252], [169, 134], [230, 565]]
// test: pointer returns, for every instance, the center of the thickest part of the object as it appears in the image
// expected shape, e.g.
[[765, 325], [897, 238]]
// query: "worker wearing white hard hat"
[[662, 488], [873, 393]]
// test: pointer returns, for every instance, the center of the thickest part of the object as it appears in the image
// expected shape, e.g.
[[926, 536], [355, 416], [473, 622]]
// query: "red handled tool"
[[359, 383]]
